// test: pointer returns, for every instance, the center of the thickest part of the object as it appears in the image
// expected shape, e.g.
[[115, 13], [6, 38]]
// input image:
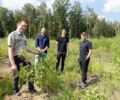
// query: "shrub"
[[47, 78], [6, 87]]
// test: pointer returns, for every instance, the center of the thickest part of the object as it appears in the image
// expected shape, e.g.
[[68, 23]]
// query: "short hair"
[[64, 30], [20, 21], [43, 28], [84, 34]]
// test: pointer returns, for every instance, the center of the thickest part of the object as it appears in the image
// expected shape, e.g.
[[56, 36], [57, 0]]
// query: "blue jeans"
[[40, 57]]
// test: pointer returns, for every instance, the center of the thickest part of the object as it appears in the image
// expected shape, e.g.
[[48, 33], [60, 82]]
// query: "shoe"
[[83, 85], [17, 93], [32, 91]]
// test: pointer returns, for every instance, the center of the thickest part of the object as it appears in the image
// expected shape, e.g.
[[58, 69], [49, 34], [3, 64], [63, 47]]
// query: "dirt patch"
[[4, 70], [25, 95]]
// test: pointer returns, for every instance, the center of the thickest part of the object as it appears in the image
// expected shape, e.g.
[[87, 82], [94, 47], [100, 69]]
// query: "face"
[[43, 31], [21, 27], [64, 32], [83, 37]]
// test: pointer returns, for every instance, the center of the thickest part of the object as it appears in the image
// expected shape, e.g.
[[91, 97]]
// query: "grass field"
[[103, 74]]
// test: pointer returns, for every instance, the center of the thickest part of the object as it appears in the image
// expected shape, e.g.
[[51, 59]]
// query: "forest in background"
[[63, 14]]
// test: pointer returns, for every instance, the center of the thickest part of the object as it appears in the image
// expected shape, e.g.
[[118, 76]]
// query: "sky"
[[109, 9]]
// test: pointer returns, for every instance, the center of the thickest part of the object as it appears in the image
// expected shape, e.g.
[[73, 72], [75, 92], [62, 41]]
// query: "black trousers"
[[84, 68], [61, 56], [20, 61]]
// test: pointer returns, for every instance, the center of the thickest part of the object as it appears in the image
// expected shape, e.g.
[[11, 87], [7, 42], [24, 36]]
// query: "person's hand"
[[36, 52], [42, 50], [67, 53], [77, 58], [39, 50], [86, 58], [56, 53], [14, 67]]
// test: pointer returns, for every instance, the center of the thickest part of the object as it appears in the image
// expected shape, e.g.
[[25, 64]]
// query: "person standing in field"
[[84, 57], [16, 42], [42, 45], [62, 48]]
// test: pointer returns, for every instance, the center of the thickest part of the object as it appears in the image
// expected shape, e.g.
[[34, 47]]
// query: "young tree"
[[75, 20], [60, 14], [90, 18], [6, 20], [29, 15], [42, 15]]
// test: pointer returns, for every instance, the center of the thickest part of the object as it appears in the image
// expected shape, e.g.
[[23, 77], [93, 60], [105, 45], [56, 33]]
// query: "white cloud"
[[83, 1], [112, 6], [49, 3], [17, 4], [87, 0], [101, 17]]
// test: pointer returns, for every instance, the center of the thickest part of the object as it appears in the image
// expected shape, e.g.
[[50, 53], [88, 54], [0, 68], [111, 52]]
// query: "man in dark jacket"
[[84, 57]]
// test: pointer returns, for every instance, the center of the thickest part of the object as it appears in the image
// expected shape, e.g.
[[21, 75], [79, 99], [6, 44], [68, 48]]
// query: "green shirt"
[[17, 41]]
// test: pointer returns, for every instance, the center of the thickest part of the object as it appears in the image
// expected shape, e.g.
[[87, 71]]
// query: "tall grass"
[[105, 64], [3, 48], [5, 87]]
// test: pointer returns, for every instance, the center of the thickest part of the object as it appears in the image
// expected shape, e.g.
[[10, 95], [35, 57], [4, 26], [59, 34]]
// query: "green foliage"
[[42, 74], [65, 94], [115, 51], [3, 48], [60, 14], [75, 20], [26, 74], [62, 86], [0, 55], [93, 95], [64, 15], [46, 77], [5, 87]]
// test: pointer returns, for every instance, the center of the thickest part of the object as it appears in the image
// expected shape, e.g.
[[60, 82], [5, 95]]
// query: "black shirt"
[[85, 46], [62, 43]]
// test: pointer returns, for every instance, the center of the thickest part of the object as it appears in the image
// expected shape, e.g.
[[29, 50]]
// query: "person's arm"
[[90, 50], [78, 56], [11, 58], [47, 45], [67, 45], [44, 49], [89, 54], [38, 48], [11, 52], [57, 41], [30, 51], [67, 48], [56, 45], [37, 44]]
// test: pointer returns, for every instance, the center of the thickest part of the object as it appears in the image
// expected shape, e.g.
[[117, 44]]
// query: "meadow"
[[103, 75]]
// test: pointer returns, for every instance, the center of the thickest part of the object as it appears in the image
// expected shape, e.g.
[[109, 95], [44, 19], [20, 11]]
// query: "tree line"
[[63, 15]]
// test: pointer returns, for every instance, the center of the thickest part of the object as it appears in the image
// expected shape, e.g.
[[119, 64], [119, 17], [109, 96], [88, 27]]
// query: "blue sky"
[[109, 9]]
